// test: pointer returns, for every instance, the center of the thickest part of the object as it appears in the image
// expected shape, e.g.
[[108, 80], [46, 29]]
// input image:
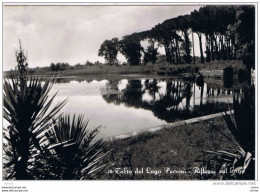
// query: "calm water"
[[123, 105]]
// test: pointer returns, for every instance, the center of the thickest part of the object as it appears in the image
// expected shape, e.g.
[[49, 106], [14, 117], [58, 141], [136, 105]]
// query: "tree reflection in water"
[[169, 100]]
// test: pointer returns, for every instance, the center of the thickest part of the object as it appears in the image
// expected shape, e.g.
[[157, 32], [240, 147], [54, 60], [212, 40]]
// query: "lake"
[[131, 103]]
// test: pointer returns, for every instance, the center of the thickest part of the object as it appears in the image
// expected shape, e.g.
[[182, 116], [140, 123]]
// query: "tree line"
[[65, 66], [229, 33]]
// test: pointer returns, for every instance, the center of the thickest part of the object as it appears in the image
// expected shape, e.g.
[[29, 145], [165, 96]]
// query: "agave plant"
[[229, 163], [35, 146], [80, 154], [242, 123], [26, 108], [238, 163]]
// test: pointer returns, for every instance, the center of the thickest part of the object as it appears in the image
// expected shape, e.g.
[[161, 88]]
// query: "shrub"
[[242, 125], [79, 156]]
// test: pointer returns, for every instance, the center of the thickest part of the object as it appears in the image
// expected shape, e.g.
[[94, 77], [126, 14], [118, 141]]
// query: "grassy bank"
[[160, 69], [176, 149]]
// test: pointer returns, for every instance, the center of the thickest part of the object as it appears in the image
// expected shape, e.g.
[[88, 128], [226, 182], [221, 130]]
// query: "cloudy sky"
[[74, 34]]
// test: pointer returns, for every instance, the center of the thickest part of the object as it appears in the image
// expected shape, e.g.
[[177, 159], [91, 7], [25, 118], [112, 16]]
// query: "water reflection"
[[126, 104], [169, 100]]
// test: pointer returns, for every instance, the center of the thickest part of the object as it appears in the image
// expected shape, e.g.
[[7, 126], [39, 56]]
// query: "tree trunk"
[[172, 54], [219, 46], [228, 49], [187, 55], [234, 49], [193, 48], [212, 48], [201, 50], [222, 48], [178, 51], [216, 47], [166, 48], [207, 49], [227, 53]]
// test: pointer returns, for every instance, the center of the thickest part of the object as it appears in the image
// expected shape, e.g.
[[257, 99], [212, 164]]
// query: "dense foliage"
[[228, 32], [109, 50]]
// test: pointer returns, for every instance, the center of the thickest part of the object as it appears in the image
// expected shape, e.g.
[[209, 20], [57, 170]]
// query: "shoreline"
[[210, 69], [170, 125], [177, 148]]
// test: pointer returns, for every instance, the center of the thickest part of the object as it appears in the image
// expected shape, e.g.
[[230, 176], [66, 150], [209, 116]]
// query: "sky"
[[73, 34]]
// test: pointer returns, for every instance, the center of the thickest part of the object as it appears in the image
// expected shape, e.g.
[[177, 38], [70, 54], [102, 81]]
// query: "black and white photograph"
[[129, 91]]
